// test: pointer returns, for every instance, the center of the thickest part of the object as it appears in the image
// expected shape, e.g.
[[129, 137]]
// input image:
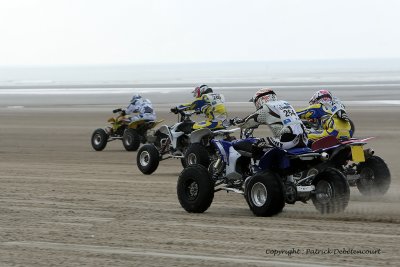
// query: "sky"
[[68, 32]]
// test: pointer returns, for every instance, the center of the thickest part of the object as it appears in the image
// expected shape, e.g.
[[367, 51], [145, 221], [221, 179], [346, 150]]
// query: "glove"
[[174, 110], [123, 113], [343, 115], [284, 130], [236, 121], [257, 148], [263, 143]]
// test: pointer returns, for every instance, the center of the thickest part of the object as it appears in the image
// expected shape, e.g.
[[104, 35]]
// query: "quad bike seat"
[[324, 142], [299, 150]]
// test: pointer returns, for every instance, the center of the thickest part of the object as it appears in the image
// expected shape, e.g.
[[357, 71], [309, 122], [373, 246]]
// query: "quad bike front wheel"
[[374, 177], [264, 194], [195, 189], [332, 192], [99, 139], [147, 159], [197, 154], [131, 140]]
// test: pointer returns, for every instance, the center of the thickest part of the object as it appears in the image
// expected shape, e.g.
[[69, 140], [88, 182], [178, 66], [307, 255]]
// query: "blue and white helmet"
[[135, 97]]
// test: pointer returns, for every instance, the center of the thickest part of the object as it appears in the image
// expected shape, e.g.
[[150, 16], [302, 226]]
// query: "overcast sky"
[[148, 31]]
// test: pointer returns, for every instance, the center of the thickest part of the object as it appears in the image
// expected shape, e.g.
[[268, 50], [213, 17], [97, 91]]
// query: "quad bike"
[[131, 133], [264, 177], [167, 142], [361, 167], [201, 150]]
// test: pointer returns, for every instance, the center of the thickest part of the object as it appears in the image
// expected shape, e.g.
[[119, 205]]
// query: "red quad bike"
[[361, 167]]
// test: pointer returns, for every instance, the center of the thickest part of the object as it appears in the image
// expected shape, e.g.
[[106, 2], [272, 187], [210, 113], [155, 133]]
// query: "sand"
[[64, 204]]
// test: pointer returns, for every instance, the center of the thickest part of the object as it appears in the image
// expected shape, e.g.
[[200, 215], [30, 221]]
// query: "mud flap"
[[357, 153]]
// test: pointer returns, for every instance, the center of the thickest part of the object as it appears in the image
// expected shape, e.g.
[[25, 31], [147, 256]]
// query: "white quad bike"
[[201, 150], [167, 142]]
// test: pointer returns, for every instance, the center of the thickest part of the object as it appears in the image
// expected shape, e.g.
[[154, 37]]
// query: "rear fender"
[[198, 135], [274, 158], [146, 125], [340, 155], [155, 123], [136, 124]]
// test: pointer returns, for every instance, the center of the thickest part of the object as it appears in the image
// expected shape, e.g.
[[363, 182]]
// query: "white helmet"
[[321, 96], [263, 96], [200, 90]]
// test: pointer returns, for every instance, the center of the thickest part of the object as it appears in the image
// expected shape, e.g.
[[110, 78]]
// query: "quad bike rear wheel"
[[374, 177], [131, 140], [264, 194], [332, 192], [195, 189], [147, 159], [99, 139]]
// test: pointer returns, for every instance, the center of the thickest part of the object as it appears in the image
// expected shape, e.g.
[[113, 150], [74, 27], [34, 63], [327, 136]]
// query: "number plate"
[[305, 189], [357, 153]]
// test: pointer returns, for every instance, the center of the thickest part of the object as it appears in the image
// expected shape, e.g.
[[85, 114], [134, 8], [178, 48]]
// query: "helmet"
[[321, 96], [135, 98], [263, 96], [201, 90]]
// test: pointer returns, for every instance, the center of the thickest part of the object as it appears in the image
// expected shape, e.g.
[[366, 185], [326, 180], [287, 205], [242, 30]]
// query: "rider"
[[330, 114], [288, 130], [142, 106], [211, 104]]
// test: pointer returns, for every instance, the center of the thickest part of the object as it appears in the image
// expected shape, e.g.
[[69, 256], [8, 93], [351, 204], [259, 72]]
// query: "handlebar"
[[247, 132], [310, 124], [117, 110], [184, 115]]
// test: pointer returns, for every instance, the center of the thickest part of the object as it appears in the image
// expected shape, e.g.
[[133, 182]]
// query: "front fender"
[[164, 129]]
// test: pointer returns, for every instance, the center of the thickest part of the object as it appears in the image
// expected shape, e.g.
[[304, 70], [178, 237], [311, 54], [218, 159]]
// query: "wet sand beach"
[[64, 204]]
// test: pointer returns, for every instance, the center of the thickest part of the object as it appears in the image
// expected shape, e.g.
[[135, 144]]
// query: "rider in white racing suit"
[[287, 128], [143, 107]]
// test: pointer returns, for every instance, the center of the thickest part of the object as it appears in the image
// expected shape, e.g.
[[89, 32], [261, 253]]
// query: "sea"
[[373, 80]]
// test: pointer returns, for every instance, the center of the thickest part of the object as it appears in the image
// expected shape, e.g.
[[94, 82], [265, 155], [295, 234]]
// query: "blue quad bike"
[[265, 176]]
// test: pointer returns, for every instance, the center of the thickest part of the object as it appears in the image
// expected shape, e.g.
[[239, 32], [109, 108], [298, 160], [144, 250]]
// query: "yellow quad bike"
[[131, 133]]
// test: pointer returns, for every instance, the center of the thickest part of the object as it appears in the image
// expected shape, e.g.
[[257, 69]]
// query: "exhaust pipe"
[[324, 156], [369, 152]]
